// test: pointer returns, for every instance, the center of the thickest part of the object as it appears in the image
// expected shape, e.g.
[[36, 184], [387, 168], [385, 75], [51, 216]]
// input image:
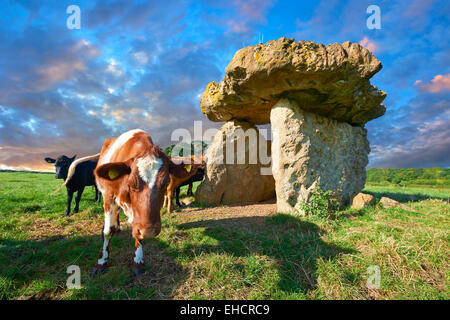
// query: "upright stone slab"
[[308, 149], [238, 178]]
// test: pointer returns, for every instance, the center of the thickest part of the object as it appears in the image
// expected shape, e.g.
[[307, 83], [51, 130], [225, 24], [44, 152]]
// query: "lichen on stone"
[[265, 72]]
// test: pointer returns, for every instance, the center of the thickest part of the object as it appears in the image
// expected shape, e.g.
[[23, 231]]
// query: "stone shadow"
[[36, 268], [294, 245], [404, 197]]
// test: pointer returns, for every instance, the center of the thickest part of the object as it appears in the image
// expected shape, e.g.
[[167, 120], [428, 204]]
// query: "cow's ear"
[[73, 158], [113, 171], [50, 160]]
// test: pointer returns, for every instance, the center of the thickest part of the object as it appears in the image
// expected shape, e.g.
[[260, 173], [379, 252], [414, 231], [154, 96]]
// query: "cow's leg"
[[110, 227], [118, 222], [97, 198], [138, 258], [69, 201], [189, 192], [165, 201], [169, 201], [77, 200], [177, 196], [98, 195]]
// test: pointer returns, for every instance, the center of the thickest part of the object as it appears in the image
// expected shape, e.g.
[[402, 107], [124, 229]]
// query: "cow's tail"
[[72, 169]]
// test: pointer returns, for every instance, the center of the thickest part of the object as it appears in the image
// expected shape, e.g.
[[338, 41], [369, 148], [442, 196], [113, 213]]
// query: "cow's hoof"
[[75, 211], [66, 214], [97, 270]]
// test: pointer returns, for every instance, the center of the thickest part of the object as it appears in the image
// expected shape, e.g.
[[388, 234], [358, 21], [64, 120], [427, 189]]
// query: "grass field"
[[225, 252]]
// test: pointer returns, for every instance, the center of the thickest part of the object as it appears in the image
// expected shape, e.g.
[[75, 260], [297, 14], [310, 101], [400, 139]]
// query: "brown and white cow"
[[132, 174], [183, 170]]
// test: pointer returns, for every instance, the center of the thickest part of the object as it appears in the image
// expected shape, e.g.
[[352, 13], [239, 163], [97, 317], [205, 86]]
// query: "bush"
[[321, 203]]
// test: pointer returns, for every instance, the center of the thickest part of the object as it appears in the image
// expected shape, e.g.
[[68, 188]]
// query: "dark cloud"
[[67, 91], [418, 136], [138, 64], [423, 147]]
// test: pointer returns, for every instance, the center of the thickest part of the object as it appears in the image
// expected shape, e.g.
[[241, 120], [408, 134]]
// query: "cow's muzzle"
[[146, 232]]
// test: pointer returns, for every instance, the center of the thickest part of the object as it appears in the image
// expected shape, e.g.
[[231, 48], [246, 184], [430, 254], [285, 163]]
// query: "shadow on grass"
[[404, 197], [294, 245], [36, 269]]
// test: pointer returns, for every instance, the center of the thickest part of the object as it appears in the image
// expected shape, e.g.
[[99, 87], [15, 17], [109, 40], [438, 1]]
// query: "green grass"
[[204, 255], [410, 193]]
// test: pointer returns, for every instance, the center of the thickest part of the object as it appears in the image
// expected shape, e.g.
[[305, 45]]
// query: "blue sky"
[[145, 64]]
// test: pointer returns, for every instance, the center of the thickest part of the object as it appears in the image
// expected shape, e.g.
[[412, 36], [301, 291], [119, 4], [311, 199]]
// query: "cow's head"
[[139, 183], [62, 164]]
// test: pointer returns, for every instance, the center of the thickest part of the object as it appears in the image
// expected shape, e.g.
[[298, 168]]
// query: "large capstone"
[[234, 169], [309, 150], [331, 80]]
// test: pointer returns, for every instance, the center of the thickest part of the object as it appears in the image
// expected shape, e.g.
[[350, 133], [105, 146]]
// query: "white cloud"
[[114, 68], [369, 44], [141, 57]]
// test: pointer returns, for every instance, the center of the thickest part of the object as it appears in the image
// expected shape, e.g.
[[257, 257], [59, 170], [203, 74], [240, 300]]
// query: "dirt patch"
[[43, 229], [260, 209]]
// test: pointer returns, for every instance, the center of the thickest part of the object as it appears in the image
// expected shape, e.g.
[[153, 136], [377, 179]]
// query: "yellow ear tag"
[[188, 168], [112, 173]]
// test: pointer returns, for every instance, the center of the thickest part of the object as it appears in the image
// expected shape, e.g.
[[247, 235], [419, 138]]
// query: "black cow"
[[82, 177], [198, 176]]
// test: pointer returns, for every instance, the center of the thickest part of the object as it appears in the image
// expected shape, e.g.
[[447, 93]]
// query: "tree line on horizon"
[[201, 146], [409, 176]]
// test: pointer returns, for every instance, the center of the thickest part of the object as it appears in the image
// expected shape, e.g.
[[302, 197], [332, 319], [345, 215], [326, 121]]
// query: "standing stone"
[[309, 149], [236, 178]]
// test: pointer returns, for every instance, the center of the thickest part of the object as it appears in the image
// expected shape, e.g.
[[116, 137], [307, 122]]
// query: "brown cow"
[[183, 169], [132, 174]]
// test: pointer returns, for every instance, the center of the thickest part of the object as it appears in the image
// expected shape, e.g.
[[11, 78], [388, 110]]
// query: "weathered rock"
[[236, 178], [331, 80], [187, 201], [308, 149], [391, 203], [363, 200]]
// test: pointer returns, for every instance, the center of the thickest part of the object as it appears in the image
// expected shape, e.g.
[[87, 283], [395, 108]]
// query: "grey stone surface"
[[331, 80], [309, 149], [239, 179]]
